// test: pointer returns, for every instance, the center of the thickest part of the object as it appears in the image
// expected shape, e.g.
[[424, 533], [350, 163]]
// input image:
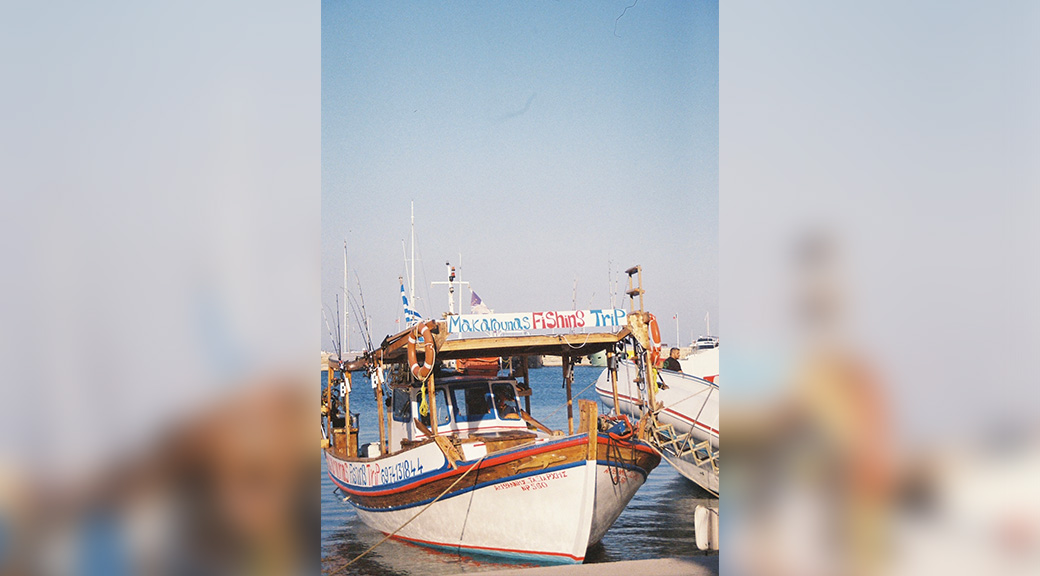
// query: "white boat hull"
[[536, 502], [615, 487], [703, 475], [547, 515]]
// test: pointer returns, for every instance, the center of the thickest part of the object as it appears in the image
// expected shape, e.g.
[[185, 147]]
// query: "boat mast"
[[411, 274], [346, 309], [451, 289]]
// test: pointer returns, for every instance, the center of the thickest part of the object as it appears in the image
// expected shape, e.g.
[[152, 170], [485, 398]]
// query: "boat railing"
[[683, 445]]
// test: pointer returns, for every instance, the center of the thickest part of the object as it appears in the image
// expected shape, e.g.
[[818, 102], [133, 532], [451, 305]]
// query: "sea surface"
[[657, 523]]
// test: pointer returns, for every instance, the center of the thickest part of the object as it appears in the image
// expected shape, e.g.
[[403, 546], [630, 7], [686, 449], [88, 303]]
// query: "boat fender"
[[421, 372]]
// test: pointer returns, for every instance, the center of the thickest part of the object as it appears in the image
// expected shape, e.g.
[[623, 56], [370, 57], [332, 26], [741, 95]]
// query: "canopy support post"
[[568, 377], [612, 366], [433, 405]]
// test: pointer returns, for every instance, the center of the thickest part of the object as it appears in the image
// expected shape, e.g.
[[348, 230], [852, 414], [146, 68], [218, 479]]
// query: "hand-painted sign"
[[525, 321]]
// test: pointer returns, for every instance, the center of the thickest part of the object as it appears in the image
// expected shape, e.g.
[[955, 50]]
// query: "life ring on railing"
[[421, 372], [655, 340]]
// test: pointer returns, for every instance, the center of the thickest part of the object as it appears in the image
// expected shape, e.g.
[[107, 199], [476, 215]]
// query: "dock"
[[689, 566]]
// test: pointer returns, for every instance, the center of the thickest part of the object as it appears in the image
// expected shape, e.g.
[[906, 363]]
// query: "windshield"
[[471, 402], [505, 400]]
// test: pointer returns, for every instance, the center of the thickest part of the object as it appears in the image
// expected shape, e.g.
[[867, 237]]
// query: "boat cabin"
[[465, 406]]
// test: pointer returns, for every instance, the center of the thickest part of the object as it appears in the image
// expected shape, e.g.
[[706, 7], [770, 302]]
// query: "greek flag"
[[411, 317]]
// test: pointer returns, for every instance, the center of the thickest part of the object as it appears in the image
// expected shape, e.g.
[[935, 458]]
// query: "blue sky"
[[542, 141]]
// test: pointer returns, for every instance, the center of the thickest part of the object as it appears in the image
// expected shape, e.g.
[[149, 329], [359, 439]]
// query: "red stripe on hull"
[[489, 548]]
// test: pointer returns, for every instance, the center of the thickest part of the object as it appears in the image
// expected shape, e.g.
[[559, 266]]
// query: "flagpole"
[[676, 329]]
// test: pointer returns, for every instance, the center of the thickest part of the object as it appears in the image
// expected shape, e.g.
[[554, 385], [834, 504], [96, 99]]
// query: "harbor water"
[[657, 523]]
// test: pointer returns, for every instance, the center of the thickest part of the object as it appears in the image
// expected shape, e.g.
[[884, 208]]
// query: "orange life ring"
[[655, 332], [421, 372], [655, 340]]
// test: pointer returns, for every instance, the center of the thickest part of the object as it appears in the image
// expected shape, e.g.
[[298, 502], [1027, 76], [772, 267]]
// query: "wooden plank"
[[346, 407], [422, 428], [613, 381], [449, 451], [433, 404], [589, 412], [383, 444], [538, 425]]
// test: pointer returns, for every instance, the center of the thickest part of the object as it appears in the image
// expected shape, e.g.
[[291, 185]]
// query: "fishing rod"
[[363, 311], [329, 328], [357, 318], [339, 331]]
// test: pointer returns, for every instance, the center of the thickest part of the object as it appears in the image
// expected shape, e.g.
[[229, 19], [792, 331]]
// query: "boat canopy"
[[553, 333], [448, 346]]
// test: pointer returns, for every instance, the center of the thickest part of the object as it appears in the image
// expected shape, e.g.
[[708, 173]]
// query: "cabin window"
[[443, 413], [505, 400], [472, 403], [402, 405]]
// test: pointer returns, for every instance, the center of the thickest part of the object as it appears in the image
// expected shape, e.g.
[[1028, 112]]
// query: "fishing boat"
[[461, 465]]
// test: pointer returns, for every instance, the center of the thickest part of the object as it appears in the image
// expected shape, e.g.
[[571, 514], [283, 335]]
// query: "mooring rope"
[[401, 527]]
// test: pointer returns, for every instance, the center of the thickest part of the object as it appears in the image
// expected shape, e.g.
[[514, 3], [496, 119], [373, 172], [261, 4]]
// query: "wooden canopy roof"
[[394, 349]]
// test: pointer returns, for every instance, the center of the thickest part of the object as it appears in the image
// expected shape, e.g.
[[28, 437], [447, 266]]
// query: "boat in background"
[[598, 359], [705, 342], [702, 363]]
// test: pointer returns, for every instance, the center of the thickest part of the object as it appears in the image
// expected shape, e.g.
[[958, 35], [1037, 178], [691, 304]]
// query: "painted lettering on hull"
[[532, 482], [368, 474]]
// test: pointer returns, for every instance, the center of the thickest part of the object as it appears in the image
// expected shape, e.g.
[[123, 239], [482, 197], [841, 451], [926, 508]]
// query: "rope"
[[401, 527], [424, 408], [573, 347]]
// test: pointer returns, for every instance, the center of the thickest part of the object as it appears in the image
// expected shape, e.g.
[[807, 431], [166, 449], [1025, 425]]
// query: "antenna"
[[451, 283]]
